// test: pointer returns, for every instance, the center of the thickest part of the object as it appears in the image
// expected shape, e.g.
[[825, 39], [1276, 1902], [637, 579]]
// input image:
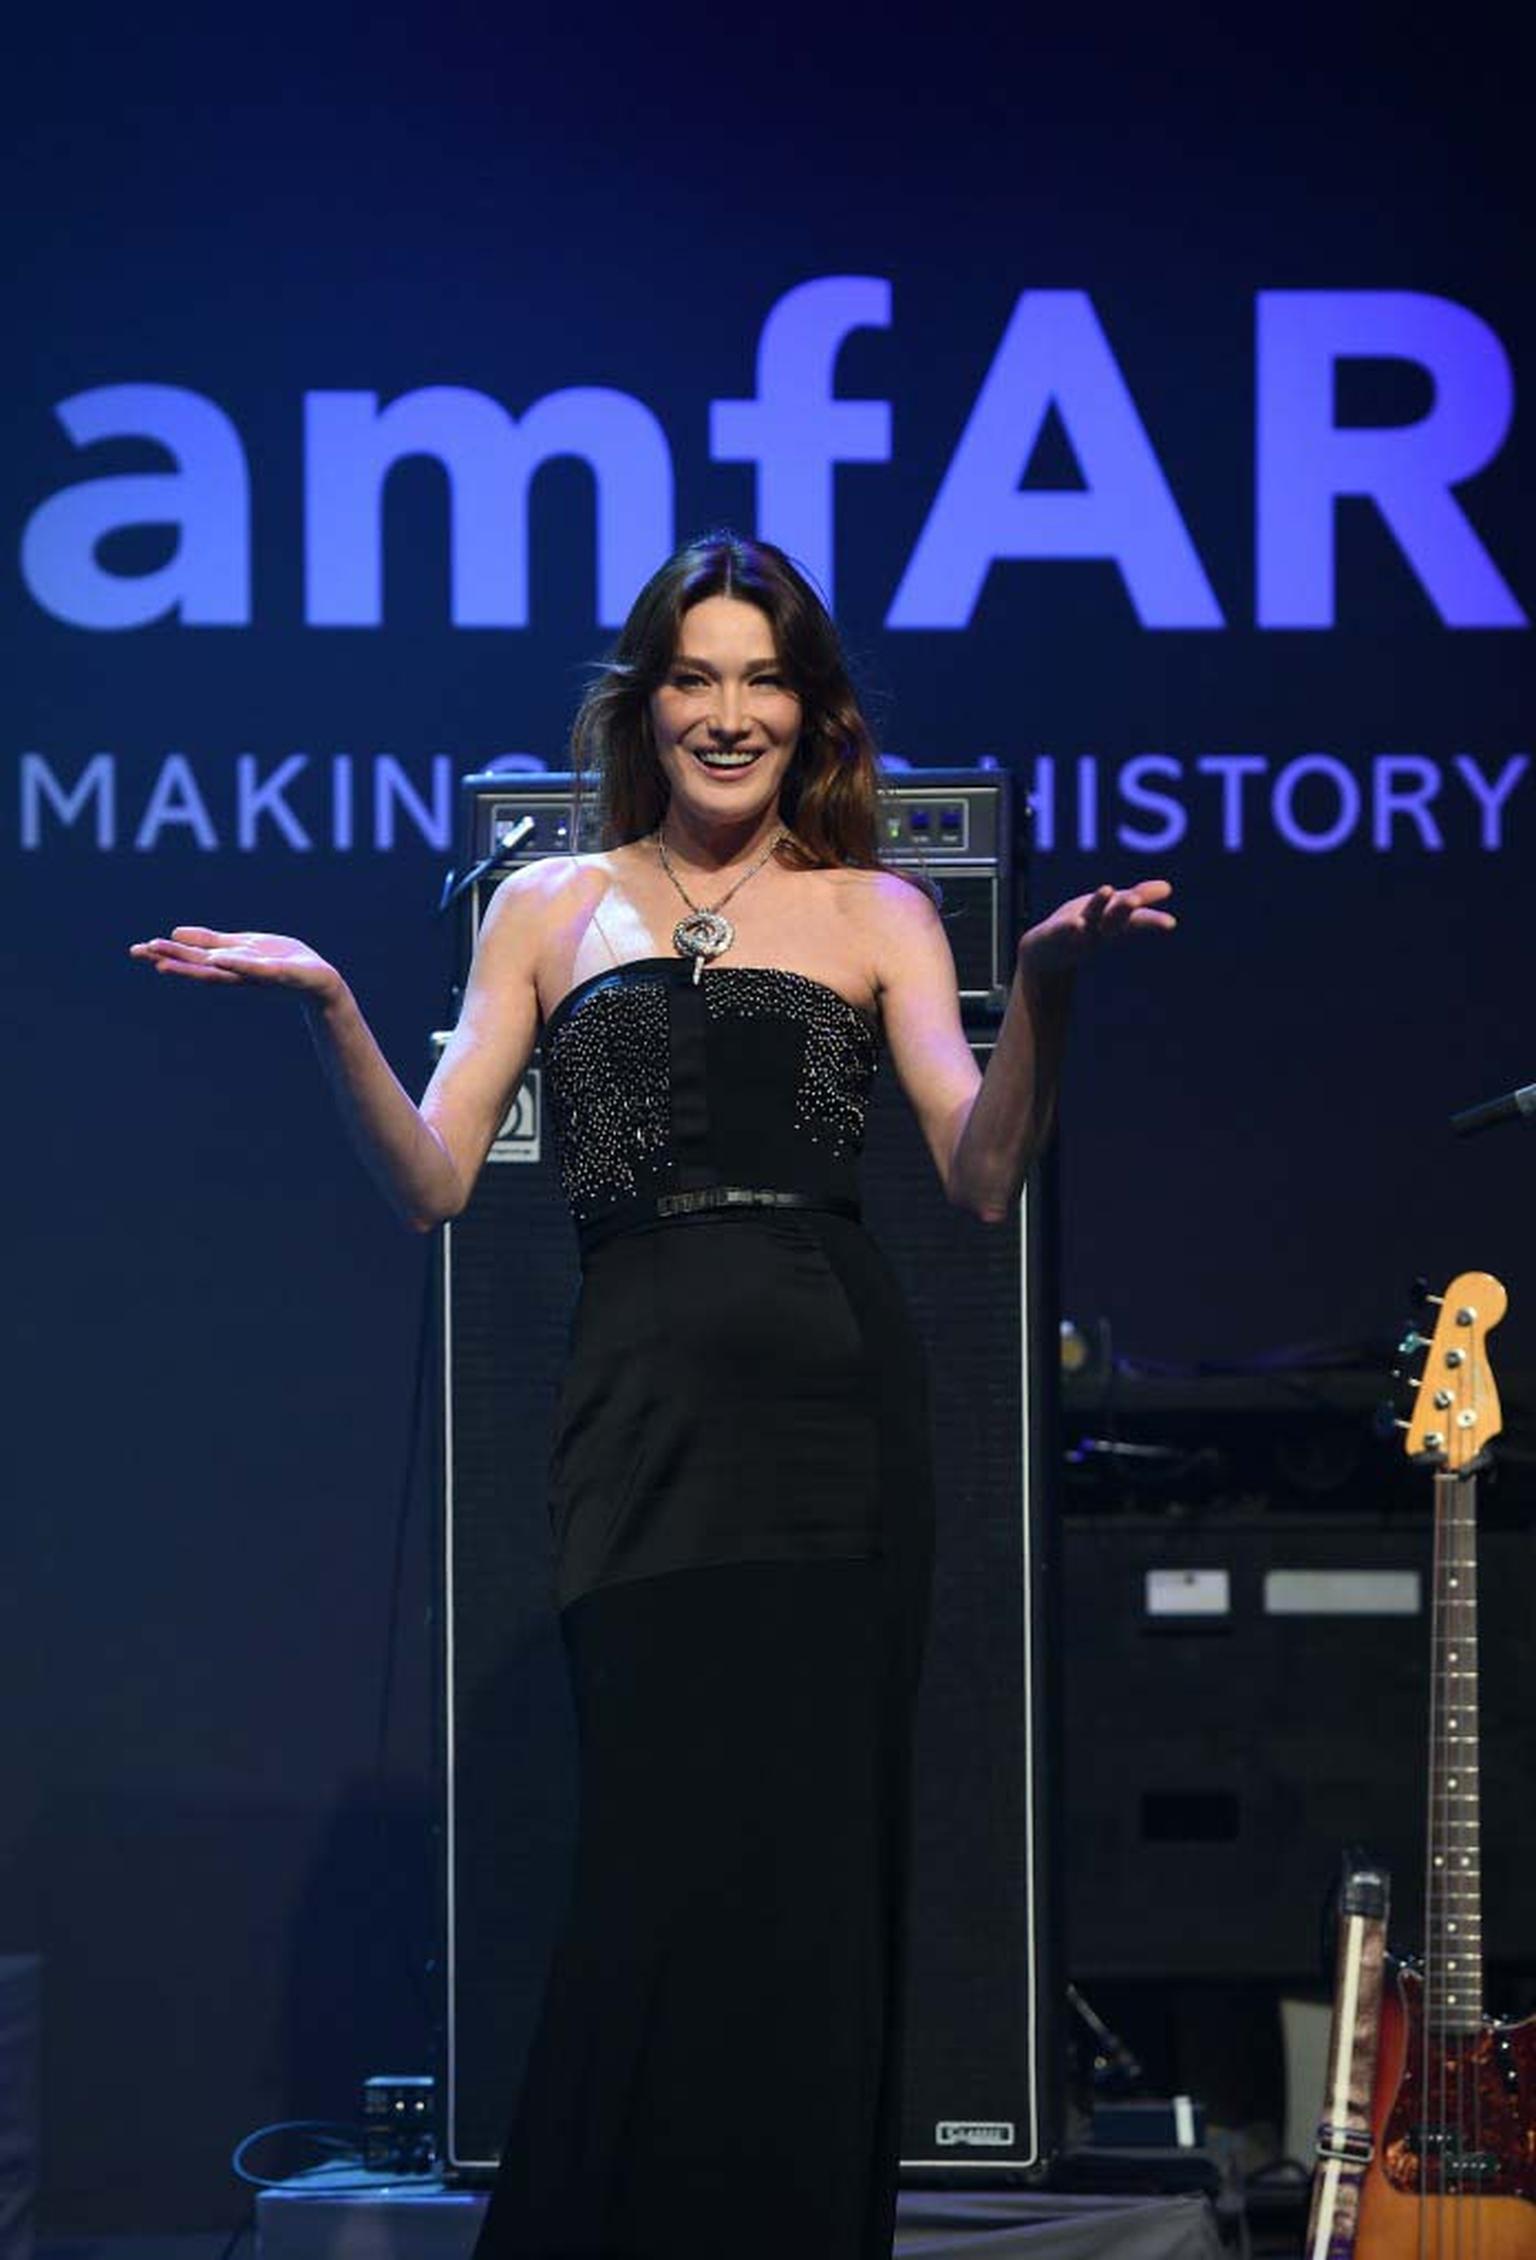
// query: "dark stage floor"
[[934, 2225]]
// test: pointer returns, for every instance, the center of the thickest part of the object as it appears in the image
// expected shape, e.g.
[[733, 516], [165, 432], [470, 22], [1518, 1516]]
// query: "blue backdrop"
[[1146, 400]]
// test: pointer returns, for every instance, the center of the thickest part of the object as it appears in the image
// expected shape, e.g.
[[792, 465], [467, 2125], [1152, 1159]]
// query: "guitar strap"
[[1344, 2131]]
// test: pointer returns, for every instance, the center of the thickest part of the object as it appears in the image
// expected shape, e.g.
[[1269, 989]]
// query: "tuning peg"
[[1386, 1419], [1420, 1296], [1412, 1342]]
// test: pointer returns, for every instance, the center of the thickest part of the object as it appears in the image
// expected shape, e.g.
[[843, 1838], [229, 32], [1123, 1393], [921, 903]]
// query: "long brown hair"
[[831, 790]]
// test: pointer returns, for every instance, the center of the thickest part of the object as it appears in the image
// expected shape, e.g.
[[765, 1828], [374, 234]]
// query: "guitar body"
[[1454, 2171]]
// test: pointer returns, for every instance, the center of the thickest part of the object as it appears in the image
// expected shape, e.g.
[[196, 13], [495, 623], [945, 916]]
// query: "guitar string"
[[1466, 2224], [1469, 2146], [1450, 2044], [1434, 2138], [1452, 2049], [1475, 1748], [1429, 2065], [1426, 2058], [1449, 2213], [1467, 2068], [1456, 2045], [1461, 2038]]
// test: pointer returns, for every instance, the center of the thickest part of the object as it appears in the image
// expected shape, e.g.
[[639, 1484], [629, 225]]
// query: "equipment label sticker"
[[520, 1137], [975, 2134]]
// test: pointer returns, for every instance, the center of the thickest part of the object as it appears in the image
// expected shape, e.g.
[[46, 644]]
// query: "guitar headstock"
[[1456, 1412]]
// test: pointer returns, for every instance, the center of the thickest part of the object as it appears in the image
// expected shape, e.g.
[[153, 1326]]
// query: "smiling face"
[[724, 720]]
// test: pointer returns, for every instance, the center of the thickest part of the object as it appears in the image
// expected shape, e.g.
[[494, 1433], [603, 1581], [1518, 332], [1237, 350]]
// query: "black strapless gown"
[[741, 1500]]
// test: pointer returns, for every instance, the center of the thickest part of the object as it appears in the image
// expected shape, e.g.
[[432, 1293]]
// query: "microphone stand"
[[1513, 1106], [502, 852]]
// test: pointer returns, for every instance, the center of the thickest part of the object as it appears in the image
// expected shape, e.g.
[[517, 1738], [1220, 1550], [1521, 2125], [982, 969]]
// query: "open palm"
[[1076, 928], [203, 953]]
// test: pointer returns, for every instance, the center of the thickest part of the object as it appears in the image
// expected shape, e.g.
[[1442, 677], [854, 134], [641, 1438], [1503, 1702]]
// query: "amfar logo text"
[[1054, 355]]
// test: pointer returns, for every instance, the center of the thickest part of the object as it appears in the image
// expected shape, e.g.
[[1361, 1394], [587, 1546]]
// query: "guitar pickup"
[[1456, 2165]]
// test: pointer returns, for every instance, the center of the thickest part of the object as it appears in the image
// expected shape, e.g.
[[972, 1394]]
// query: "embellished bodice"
[[660, 1085]]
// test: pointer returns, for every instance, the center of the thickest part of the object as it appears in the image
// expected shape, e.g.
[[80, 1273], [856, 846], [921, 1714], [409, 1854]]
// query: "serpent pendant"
[[702, 934]]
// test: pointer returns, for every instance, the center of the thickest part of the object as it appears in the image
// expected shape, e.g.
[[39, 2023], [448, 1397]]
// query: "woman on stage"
[[739, 1484]]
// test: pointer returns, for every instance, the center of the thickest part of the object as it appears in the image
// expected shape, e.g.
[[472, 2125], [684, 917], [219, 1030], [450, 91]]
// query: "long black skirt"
[[717, 2066]]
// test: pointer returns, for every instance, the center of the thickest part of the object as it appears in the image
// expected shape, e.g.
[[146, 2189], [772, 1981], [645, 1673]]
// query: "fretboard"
[[1453, 1940]]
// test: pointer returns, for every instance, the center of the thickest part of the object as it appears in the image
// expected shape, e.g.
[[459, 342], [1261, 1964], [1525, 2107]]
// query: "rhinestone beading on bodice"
[[758, 1076], [607, 1066]]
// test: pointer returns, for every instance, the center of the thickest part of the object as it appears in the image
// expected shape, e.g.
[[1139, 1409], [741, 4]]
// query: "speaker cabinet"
[[1245, 1696], [983, 2079]]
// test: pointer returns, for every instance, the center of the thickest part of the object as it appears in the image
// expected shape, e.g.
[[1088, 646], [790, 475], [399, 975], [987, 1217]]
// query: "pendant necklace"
[[704, 933]]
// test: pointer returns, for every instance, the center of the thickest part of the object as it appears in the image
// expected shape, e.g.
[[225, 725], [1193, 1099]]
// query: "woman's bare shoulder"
[[554, 879], [882, 899], [895, 929]]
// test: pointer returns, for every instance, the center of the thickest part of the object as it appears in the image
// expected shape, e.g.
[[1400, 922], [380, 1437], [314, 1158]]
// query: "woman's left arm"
[[984, 1130]]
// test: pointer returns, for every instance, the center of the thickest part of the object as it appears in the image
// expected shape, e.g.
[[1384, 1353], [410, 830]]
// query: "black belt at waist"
[[709, 1200]]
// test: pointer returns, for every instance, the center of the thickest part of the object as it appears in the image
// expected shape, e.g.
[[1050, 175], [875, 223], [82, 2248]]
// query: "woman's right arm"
[[425, 1158]]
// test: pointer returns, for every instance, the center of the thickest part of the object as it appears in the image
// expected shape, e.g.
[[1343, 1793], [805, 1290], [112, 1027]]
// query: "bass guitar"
[[1452, 2174]]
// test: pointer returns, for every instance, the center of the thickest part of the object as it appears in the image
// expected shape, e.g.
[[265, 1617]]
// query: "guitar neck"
[[1453, 1941]]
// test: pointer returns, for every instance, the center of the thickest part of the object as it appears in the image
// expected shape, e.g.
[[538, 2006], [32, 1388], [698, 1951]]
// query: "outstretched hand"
[[274, 961], [1073, 931]]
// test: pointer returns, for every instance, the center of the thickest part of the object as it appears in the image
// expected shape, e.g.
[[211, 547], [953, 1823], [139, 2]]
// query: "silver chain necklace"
[[704, 933]]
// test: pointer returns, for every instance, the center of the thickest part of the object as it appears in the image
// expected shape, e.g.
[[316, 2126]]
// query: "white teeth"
[[726, 760]]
